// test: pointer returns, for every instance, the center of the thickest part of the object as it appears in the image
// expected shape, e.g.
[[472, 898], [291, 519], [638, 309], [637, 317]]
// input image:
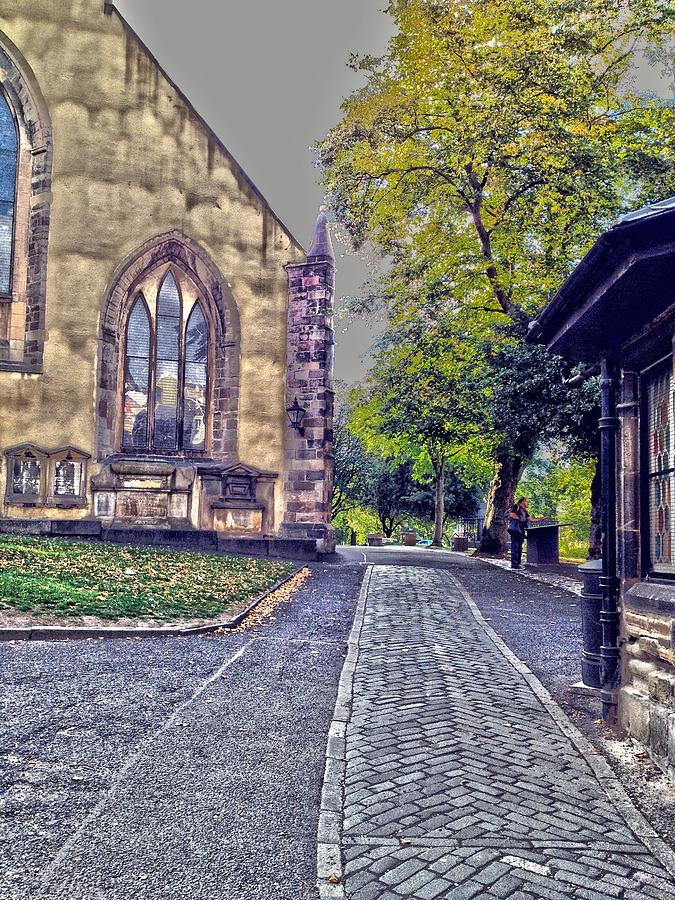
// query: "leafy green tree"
[[421, 402], [498, 137], [490, 145], [388, 488], [351, 463], [460, 500], [355, 524], [559, 486], [529, 405], [396, 494], [579, 436]]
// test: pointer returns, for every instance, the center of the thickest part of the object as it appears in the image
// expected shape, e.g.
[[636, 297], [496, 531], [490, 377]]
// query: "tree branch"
[[501, 295]]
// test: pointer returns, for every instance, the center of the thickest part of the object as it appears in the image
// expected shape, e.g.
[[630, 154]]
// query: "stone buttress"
[[308, 479]]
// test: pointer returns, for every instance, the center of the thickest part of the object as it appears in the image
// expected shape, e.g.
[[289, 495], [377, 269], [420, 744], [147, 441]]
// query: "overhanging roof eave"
[[599, 274]]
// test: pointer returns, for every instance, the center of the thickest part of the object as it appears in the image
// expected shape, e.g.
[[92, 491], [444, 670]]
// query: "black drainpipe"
[[609, 614]]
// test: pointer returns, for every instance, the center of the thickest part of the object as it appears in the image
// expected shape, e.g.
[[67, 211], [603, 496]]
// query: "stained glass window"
[[9, 146], [194, 386], [136, 377], [177, 394], [660, 438], [165, 433]]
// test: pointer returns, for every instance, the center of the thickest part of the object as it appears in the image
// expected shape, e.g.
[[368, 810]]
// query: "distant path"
[[540, 622]]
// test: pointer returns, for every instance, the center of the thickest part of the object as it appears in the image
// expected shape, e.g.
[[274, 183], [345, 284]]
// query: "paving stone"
[[465, 892], [490, 874], [504, 886], [381, 865], [666, 887], [412, 885], [371, 891], [456, 874], [354, 865], [433, 889], [360, 880], [402, 872], [450, 750]]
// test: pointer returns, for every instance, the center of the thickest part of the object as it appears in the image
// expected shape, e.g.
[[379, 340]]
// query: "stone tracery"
[[213, 313]]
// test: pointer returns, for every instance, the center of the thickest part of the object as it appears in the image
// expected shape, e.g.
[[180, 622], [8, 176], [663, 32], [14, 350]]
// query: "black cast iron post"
[[609, 615], [591, 605]]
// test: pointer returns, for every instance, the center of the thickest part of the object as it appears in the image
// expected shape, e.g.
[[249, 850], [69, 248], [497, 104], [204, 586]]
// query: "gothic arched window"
[[194, 383], [166, 356], [9, 151], [137, 376]]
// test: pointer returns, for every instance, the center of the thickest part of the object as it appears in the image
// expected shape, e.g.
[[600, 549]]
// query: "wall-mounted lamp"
[[296, 414]]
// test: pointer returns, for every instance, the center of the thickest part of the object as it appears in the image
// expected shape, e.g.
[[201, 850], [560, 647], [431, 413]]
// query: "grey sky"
[[269, 78]]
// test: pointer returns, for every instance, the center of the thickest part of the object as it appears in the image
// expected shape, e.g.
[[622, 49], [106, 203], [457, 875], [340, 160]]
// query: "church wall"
[[131, 161]]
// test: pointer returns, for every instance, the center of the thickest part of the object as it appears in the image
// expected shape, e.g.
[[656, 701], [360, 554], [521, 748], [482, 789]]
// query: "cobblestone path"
[[460, 780]]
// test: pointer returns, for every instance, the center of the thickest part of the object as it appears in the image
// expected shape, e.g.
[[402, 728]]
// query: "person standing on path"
[[518, 518]]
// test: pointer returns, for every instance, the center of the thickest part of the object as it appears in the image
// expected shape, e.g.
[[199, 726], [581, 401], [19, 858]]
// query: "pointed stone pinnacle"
[[322, 246]]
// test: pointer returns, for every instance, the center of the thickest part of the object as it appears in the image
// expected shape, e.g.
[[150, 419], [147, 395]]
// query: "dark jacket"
[[518, 526]]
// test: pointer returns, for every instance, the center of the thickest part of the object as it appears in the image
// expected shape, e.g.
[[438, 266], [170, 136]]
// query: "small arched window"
[[9, 150], [166, 374]]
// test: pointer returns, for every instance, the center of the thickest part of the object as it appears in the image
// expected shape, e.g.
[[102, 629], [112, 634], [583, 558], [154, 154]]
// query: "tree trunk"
[[439, 510], [595, 538], [508, 470], [337, 502], [388, 524]]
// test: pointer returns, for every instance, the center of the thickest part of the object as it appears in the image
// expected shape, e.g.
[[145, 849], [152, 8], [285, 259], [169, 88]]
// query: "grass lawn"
[[77, 578]]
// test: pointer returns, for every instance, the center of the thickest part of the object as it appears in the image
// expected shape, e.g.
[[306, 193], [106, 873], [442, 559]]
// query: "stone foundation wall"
[[647, 695], [647, 700], [180, 539]]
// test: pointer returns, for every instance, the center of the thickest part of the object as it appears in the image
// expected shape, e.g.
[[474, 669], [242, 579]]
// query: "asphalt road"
[[191, 768], [181, 768]]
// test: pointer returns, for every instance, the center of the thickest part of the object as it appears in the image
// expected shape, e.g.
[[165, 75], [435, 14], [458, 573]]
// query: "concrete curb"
[[561, 582], [600, 767], [329, 870], [66, 633]]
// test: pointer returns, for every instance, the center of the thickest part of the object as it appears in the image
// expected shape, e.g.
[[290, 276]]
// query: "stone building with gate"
[[166, 345], [616, 315]]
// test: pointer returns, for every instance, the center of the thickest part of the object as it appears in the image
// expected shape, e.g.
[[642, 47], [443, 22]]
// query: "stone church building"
[[166, 345]]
